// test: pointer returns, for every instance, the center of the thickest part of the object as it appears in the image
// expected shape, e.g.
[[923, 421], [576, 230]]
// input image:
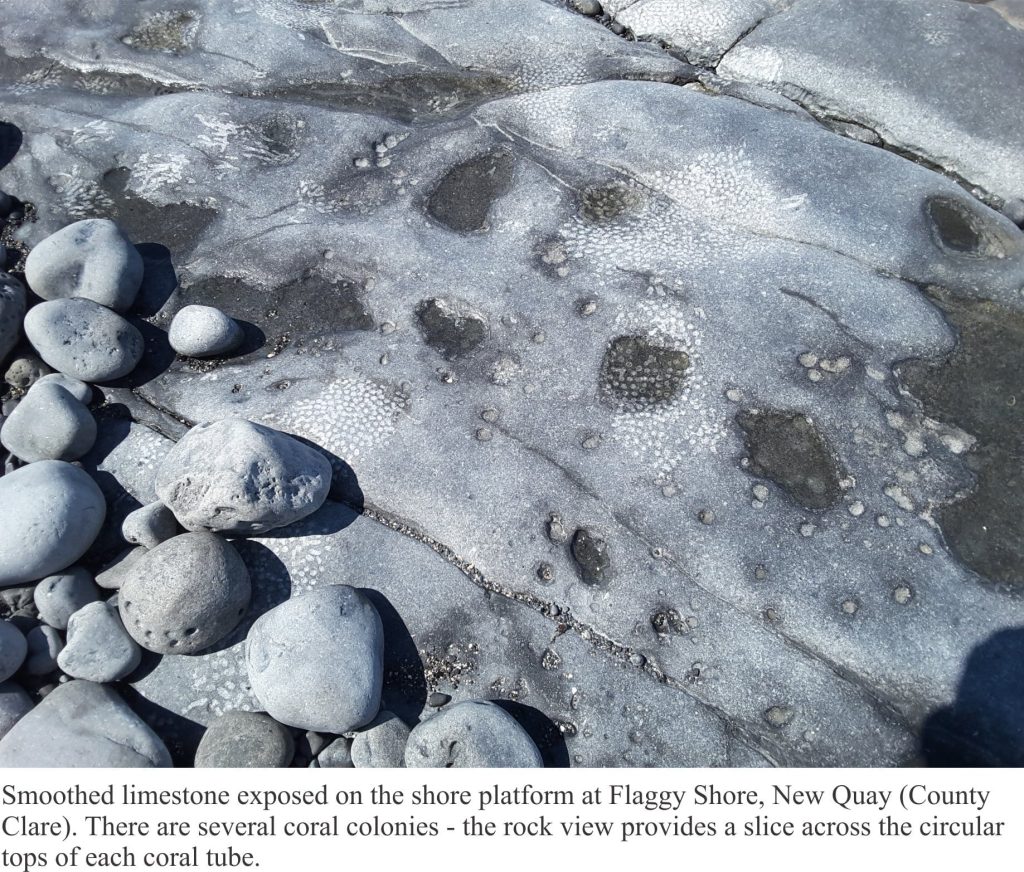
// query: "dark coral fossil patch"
[[788, 449], [450, 328], [637, 374], [462, 200]]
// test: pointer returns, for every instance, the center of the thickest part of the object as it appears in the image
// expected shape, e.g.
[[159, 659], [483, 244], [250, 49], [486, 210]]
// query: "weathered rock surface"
[[91, 259], [14, 705], [50, 513], [234, 476], [316, 661], [83, 339], [659, 259], [13, 649], [245, 740], [380, 744], [150, 525], [98, 646], [473, 734], [81, 724], [185, 594]]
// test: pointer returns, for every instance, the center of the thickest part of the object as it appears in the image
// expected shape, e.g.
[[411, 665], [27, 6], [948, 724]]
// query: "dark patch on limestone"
[[962, 228], [274, 140], [463, 198], [979, 388], [167, 31], [608, 202], [449, 328], [177, 226], [788, 449], [637, 374], [592, 557], [311, 305]]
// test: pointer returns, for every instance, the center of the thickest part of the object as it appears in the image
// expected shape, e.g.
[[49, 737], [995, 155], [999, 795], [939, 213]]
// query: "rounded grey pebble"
[[82, 724], [317, 660], [381, 744], [245, 740], [25, 370], [150, 525], [473, 734], [587, 7], [12, 311], [113, 575], [185, 595], [90, 259], [76, 387], [337, 755], [84, 340], [98, 646], [49, 424], [44, 647], [234, 476], [13, 649], [438, 699], [58, 597], [204, 331], [14, 705], [50, 513], [1014, 210]]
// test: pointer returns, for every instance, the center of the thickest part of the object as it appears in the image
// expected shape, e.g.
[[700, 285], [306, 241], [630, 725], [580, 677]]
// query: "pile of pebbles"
[[68, 637]]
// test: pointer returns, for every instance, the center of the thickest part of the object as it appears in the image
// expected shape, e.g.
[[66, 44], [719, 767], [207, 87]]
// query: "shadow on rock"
[[156, 360], [344, 482], [331, 517], [11, 138], [545, 734], [985, 724], [180, 735], [158, 280], [405, 685]]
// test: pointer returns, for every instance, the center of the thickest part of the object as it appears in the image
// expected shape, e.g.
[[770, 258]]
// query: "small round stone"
[[185, 595], [902, 594], [84, 340], [49, 424], [50, 513], [381, 744], [25, 371], [245, 740], [150, 525], [13, 649], [59, 596], [317, 660], [44, 646], [438, 699], [91, 259], [115, 573], [473, 734], [204, 331], [98, 646], [779, 716], [234, 476], [337, 755]]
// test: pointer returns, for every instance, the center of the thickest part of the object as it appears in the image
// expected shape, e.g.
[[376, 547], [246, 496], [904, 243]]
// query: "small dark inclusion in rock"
[[637, 374], [590, 552], [787, 449], [979, 389], [463, 198], [448, 329]]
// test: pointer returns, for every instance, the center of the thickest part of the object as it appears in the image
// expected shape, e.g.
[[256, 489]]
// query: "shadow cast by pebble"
[[158, 279], [405, 684], [544, 732], [985, 724], [11, 139]]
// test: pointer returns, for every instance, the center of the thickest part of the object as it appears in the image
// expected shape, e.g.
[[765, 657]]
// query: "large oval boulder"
[[234, 476], [50, 423], [84, 340], [185, 595], [92, 259], [50, 513], [317, 661], [472, 734], [81, 724]]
